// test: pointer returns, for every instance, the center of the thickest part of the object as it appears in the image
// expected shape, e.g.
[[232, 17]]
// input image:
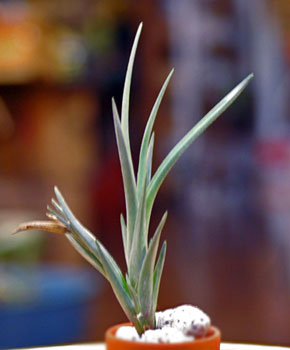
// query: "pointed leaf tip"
[[249, 77], [115, 109], [56, 190], [127, 87]]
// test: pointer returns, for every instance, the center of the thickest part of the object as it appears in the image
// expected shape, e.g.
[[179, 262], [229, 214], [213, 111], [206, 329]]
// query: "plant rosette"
[[182, 328]]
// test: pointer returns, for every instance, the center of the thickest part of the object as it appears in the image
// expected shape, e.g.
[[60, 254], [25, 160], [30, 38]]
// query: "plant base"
[[210, 342]]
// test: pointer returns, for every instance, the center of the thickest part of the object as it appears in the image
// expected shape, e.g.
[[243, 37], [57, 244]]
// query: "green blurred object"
[[26, 247], [21, 250]]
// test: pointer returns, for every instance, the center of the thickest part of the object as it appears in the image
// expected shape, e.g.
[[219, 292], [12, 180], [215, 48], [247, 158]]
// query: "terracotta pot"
[[210, 342]]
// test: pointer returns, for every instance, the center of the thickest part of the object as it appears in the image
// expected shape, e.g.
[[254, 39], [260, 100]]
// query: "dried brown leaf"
[[49, 226]]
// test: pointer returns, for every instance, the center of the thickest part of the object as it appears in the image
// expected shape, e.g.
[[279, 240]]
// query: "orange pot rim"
[[213, 334]]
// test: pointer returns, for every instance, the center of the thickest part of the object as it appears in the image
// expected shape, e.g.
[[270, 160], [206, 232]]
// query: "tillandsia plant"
[[137, 290]]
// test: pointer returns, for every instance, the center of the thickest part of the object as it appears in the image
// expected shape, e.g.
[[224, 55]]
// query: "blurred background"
[[228, 197]]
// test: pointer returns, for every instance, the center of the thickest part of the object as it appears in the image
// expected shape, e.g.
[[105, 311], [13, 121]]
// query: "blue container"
[[54, 309]]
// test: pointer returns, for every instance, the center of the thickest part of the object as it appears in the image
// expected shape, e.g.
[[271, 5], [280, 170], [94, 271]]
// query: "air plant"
[[137, 289]]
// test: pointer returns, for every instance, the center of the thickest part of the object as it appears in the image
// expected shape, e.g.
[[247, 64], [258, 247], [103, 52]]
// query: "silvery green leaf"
[[127, 86], [57, 206], [83, 234], [139, 244], [85, 253], [134, 295], [145, 285], [81, 239], [147, 134], [110, 269], [149, 170], [114, 274], [58, 216], [186, 141], [118, 284], [157, 276], [150, 158], [124, 237], [128, 176]]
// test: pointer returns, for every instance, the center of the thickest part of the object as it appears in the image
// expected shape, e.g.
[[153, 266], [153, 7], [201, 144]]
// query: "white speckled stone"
[[187, 318], [180, 324], [165, 335], [127, 333]]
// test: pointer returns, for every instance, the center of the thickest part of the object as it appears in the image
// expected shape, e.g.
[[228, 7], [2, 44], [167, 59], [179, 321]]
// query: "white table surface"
[[101, 346]]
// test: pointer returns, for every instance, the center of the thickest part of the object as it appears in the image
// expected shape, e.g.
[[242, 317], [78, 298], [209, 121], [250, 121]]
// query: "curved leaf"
[[128, 176], [139, 244], [145, 284], [83, 233], [118, 284], [124, 237], [49, 226], [157, 276], [150, 158], [86, 254], [147, 134], [58, 216], [127, 86], [186, 141]]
